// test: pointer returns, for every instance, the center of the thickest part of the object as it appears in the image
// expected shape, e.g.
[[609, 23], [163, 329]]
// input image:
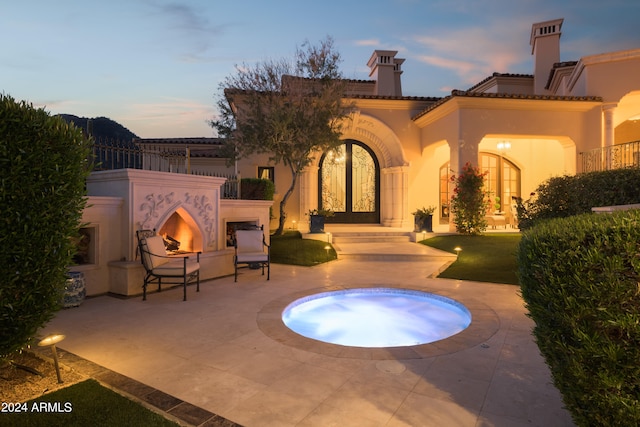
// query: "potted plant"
[[423, 219], [317, 216]]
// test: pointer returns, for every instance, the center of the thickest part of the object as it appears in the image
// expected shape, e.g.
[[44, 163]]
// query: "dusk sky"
[[155, 66]]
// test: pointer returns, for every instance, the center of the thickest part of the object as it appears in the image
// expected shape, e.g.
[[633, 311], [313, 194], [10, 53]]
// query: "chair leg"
[[198, 281], [268, 269], [184, 286], [236, 271]]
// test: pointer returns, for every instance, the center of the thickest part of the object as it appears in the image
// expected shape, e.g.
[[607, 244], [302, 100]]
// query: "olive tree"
[[44, 163], [290, 110]]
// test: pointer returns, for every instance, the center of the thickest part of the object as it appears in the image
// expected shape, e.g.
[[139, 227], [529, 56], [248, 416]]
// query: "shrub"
[[44, 163], [580, 279], [469, 201], [564, 196], [256, 189]]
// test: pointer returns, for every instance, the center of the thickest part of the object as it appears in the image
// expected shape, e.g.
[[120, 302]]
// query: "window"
[[267, 172]]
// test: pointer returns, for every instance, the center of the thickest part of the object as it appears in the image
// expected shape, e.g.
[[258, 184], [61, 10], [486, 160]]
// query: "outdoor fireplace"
[[178, 235], [232, 225]]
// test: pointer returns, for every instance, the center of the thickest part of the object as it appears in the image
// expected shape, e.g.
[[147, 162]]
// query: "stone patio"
[[216, 359]]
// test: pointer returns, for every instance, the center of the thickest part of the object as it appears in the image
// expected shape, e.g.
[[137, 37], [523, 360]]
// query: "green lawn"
[[291, 248], [84, 404], [484, 258]]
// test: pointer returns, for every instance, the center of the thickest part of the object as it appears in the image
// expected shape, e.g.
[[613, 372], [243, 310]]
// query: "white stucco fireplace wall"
[[146, 200]]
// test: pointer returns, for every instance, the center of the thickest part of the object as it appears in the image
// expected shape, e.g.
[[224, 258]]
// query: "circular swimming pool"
[[376, 317]]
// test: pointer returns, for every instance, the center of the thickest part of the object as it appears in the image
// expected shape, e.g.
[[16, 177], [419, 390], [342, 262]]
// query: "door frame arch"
[[349, 216]]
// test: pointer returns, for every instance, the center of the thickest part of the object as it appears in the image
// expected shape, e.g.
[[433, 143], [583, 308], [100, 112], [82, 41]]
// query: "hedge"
[[44, 163], [580, 279], [256, 189], [564, 196]]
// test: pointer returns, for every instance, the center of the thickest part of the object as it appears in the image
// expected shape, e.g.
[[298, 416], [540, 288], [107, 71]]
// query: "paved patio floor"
[[225, 351]]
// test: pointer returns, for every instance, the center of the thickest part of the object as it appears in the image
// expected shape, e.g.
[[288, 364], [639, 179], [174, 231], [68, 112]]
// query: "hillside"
[[101, 128]]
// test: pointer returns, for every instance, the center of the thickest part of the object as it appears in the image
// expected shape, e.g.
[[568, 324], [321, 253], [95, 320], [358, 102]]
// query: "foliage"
[[291, 248], [579, 279], [256, 189], [484, 258], [564, 196], [44, 162], [290, 111], [468, 203], [424, 212], [86, 404], [327, 213]]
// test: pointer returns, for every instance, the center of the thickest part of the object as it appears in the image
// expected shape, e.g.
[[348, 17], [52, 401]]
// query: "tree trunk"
[[283, 202]]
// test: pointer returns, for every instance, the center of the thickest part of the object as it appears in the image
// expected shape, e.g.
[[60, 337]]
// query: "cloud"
[[473, 53], [190, 30], [169, 117], [368, 42]]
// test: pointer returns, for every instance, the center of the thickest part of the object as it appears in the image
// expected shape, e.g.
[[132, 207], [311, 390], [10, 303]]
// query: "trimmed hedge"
[[564, 196], [580, 279], [256, 189], [44, 163]]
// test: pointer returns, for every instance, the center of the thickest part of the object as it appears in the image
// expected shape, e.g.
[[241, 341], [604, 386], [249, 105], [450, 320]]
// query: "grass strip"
[[483, 258], [291, 248], [83, 404]]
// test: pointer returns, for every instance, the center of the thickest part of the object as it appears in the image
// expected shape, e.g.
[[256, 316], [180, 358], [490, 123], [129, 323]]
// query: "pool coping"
[[484, 324]]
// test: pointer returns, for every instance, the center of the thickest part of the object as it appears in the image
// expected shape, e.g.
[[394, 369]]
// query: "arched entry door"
[[349, 184]]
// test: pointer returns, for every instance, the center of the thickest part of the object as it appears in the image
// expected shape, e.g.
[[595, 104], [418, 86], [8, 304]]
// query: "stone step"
[[373, 238]]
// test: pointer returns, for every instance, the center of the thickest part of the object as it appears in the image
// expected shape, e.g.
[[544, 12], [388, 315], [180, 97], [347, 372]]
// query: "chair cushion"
[[252, 257], [175, 267], [152, 246], [249, 241]]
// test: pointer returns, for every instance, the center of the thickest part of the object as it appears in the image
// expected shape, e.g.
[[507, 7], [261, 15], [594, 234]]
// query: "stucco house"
[[400, 151]]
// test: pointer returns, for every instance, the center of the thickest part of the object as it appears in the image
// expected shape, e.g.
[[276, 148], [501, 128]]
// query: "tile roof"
[[468, 94]]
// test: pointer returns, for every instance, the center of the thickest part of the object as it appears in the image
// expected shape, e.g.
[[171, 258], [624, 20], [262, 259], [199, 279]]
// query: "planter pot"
[[74, 290], [316, 224], [423, 223]]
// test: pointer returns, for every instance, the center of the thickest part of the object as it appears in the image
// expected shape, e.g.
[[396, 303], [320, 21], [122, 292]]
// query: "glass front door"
[[349, 184]]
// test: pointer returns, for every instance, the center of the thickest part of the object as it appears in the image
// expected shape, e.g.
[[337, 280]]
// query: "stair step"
[[370, 238]]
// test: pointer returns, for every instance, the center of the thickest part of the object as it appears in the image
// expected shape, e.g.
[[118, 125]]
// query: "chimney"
[[386, 71], [545, 48]]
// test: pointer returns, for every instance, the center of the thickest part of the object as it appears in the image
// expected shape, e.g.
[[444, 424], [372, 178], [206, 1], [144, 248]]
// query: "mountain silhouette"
[[101, 128]]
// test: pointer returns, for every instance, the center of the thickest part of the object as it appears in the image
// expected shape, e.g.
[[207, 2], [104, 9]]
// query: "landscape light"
[[458, 249], [52, 340]]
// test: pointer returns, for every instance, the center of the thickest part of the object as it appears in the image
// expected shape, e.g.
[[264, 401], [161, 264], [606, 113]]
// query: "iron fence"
[[113, 154], [613, 157]]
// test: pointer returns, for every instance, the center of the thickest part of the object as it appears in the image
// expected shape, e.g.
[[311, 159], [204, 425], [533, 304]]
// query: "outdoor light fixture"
[[458, 249], [327, 248], [295, 225], [328, 238], [504, 145], [52, 340]]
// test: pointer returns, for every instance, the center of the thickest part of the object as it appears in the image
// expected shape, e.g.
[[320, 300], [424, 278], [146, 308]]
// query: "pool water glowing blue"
[[376, 317]]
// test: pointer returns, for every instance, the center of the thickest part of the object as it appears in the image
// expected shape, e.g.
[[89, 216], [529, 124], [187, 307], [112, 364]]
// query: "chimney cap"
[[546, 28]]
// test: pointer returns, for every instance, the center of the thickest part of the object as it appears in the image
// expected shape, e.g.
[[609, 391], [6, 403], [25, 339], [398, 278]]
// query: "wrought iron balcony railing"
[[109, 155], [613, 157]]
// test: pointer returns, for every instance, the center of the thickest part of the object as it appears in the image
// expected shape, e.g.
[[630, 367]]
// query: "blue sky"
[[155, 65]]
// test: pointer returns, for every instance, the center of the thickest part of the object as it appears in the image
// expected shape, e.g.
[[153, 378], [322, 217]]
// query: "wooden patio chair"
[[251, 249], [158, 265]]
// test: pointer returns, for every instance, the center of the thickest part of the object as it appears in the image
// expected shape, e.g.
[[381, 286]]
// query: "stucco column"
[[308, 193], [394, 194], [608, 134]]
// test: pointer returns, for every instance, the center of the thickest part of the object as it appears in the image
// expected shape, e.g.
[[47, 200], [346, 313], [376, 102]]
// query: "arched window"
[[502, 180]]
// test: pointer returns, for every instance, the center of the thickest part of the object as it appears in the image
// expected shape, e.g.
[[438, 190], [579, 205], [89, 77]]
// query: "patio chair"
[[158, 265], [252, 250]]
